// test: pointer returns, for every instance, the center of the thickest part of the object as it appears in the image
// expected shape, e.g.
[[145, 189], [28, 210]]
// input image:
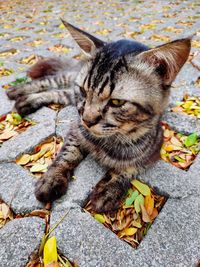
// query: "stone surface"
[[64, 119], [5, 104], [173, 240], [87, 174], [18, 239], [174, 234], [171, 181], [182, 123], [17, 188], [82, 238]]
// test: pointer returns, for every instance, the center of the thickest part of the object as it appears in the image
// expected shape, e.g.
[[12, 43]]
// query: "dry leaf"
[[145, 216], [24, 159], [149, 204]]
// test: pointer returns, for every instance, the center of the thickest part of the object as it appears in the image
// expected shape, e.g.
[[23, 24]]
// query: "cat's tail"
[[51, 66]]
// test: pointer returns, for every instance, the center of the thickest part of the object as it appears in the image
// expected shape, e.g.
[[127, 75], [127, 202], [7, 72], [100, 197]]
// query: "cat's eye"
[[117, 102]]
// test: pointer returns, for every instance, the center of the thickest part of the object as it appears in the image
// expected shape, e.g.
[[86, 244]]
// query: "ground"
[[31, 29]]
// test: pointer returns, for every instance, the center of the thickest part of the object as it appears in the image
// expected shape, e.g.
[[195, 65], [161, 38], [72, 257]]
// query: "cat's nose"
[[90, 123]]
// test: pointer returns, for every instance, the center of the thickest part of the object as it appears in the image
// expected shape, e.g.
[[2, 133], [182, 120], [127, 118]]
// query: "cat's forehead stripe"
[[103, 85]]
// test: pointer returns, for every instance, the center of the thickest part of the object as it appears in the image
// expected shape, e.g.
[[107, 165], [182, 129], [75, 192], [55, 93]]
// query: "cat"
[[121, 90]]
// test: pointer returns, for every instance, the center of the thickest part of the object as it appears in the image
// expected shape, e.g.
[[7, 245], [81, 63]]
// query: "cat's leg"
[[32, 102], [54, 182], [59, 81], [110, 190]]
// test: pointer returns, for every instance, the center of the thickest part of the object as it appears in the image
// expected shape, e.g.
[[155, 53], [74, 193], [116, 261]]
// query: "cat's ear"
[[86, 41], [169, 58]]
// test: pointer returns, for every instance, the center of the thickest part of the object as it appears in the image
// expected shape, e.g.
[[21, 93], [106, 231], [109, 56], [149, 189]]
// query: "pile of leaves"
[[8, 52], [190, 105], [11, 125], [135, 215], [58, 48], [36, 42], [17, 38], [42, 156], [6, 214], [178, 149], [30, 60], [5, 72]]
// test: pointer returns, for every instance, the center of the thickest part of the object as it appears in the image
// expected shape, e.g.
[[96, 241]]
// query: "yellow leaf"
[[143, 188], [39, 167], [128, 231], [24, 159], [149, 204], [100, 218], [38, 155], [50, 251]]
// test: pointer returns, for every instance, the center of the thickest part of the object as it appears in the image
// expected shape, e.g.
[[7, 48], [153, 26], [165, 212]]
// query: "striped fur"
[[125, 137]]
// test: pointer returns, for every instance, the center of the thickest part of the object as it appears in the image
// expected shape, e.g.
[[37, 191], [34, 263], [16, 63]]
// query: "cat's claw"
[[51, 187]]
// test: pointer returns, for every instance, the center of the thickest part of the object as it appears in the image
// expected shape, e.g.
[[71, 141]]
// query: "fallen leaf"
[[142, 188], [100, 218], [149, 204], [39, 167], [191, 140], [145, 215], [50, 251], [7, 135], [24, 159], [131, 199], [128, 232], [138, 201], [154, 214]]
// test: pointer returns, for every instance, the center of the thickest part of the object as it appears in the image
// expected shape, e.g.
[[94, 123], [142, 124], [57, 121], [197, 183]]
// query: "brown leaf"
[[154, 214], [7, 135], [39, 213], [145, 216]]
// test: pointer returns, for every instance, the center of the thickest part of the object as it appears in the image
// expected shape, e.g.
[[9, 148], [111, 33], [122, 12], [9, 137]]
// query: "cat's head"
[[123, 86]]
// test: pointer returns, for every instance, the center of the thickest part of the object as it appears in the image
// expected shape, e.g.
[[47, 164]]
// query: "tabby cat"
[[121, 92]]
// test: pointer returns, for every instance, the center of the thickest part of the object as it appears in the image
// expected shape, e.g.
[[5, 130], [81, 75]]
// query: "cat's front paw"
[[51, 186], [14, 92], [107, 195], [27, 104]]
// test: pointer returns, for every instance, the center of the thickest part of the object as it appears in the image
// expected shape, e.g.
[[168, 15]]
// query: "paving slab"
[[17, 188], [182, 123], [82, 238], [173, 239], [172, 181], [18, 239], [87, 174], [64, 119]]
